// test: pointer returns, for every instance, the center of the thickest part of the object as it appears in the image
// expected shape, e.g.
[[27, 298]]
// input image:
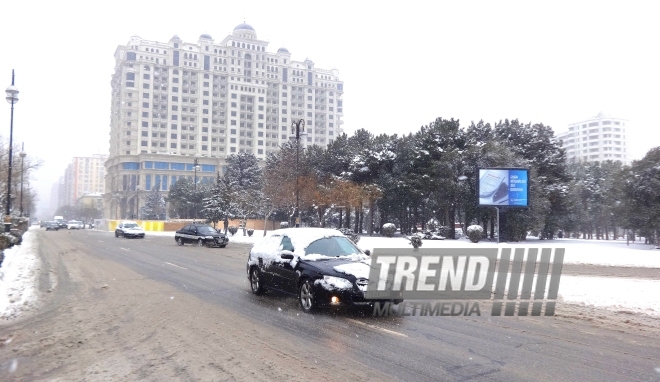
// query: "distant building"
[[178, 103], [85, 175], [597, 139]]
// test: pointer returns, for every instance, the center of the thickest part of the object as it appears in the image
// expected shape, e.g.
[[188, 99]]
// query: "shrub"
[[250, 231], [389, 229], [232, 229], [432, 225], [475, 233], [444, 231], [416, 241], [284, 224]]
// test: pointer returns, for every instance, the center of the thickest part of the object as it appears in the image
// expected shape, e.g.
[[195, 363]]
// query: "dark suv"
[[202, 235]]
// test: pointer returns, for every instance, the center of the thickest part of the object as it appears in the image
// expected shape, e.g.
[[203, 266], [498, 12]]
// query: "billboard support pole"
[[498, 224]]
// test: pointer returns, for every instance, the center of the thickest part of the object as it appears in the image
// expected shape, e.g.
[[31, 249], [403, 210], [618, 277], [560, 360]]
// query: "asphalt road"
[[405, 348]]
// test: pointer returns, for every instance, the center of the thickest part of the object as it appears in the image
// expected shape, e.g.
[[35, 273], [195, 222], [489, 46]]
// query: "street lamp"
[[22, 160], [137, 202], [12, 98], [196, 168], [297, 128]]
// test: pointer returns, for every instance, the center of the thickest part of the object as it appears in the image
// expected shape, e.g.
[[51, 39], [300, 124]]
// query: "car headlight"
[[208, 237], [338, 282]]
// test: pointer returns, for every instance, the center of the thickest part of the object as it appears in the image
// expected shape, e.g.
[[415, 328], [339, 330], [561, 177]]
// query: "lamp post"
[[196, 168], [461, 179], [22, 169], [12, 98], [297, 128], [137, 202]]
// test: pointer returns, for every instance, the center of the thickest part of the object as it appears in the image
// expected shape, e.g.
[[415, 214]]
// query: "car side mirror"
[[287, 255], [367, 252]]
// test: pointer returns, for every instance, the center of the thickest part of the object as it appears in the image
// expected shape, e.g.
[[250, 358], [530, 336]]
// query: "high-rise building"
[[176, 104], [596, 139], [84, 175]]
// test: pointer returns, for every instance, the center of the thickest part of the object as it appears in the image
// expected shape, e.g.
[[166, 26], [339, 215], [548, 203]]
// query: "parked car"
[[202, 235], [61, 223], [129, 229], [74, 224], [321, 267], [52, 226]]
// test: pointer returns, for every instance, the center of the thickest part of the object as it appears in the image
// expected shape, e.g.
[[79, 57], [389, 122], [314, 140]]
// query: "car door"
[[264, 253], [188, 234], [284, 274]]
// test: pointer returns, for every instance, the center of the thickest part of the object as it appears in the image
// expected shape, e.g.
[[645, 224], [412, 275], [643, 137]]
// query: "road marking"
[[100, 241], [377, 328], [174, 265], [124, 249]]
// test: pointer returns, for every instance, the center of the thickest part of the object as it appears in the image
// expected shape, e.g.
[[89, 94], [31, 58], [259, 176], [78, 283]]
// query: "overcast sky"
[[403, 64]]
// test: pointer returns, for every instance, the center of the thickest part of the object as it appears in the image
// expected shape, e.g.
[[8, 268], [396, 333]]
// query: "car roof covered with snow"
[[302, 237]]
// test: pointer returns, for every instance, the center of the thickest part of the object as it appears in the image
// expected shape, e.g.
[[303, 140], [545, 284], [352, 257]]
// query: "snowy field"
[[19, 271]]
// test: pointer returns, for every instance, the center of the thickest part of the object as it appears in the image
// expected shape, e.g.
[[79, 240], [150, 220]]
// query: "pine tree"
[[154, 208], [217, 204], [243, 172]]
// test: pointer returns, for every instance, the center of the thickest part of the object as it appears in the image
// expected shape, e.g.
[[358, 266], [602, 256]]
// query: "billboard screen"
[[505, 187]]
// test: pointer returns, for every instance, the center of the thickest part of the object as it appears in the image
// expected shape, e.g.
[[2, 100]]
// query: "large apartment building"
[[596, 139], [84, 175], [178, 103]]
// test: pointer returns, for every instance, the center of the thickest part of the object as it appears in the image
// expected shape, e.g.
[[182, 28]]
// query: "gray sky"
[[403, 64]]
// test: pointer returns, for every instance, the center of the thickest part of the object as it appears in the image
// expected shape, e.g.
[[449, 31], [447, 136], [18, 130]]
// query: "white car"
[[74, 224], [129, 229]]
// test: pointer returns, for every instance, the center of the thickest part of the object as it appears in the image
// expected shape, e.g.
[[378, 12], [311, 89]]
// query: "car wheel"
[[200, 242], [222, 246], [116, 234], [255, 282], [179, 241], [306, 297]]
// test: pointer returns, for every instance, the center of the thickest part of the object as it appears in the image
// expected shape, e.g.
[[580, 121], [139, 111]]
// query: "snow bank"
[[18, 277], [596, 252], [639, 296]]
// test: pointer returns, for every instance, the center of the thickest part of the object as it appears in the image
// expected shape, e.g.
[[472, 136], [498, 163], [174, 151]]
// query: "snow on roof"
[[301, 238]]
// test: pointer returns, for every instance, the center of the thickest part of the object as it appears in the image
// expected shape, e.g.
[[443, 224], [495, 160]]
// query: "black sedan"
[[321, 267], [202, 235]]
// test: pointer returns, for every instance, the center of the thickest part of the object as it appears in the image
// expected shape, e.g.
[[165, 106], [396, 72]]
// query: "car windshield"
[[335, 246], [131, 225], [205, 229]]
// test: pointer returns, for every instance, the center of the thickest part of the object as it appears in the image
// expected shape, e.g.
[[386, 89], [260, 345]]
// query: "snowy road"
[[150, 306]]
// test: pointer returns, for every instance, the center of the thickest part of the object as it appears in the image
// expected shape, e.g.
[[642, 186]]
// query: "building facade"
[[84, 175], [597, 139], [175, 103]]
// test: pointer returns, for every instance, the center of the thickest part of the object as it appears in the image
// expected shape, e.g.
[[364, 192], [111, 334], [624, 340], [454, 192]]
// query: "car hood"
[[345, 268], [134, 229]]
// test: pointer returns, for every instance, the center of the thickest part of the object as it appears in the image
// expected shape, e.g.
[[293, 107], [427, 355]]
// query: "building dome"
[[206, 36], [175, 37], [244, 26], [283, 50]]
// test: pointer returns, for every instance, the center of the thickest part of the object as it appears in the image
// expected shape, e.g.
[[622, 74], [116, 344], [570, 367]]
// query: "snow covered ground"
[[19, 271], [18, 277]]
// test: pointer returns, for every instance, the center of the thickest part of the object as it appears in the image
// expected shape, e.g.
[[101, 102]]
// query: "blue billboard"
[[505, 187]]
